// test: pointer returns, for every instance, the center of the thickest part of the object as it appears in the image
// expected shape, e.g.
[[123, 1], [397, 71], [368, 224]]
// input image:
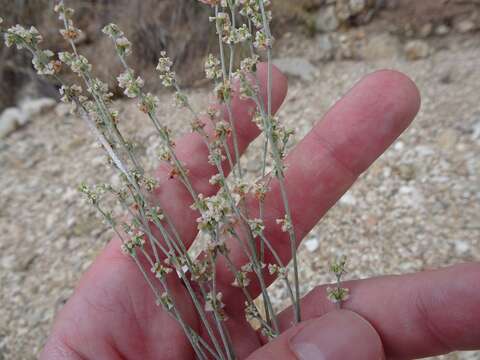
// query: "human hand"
[[112, 314]]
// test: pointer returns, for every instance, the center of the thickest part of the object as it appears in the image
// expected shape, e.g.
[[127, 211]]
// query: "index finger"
[[321, 168], [192, 151], [417, 315]]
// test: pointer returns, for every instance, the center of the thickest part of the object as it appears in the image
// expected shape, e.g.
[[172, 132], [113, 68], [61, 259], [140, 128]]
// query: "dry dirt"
[[417, 208]]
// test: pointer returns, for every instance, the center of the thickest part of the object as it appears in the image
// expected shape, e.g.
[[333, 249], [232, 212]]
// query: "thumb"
[[338, 335]]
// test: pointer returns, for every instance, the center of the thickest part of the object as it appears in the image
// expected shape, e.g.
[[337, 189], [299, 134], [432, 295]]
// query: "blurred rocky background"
[[417, 208], [333, 30]]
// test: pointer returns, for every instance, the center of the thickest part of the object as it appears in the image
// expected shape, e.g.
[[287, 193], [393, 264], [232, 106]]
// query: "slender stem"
[[279, 165], [246, 293], [176, 313], [226, 80], [279, 262], [227, 345], [263, 287]]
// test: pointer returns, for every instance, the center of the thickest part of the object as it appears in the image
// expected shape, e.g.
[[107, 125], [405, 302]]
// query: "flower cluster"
[[91, 194], [213, 68], [160, 270], [130, 246], [148, 103], [337, 294], [338, 267], [78, 63], [214, 211], [164, 67], [30, 38], [99, 88], [260, 190], [280, 271], [262, 41], [44, 65], [202, 270], [122, 44], [251, 9], [213, 302], [241, 279], [285, 224], [251, 312], [249, 64], [166, 301], [70, 93], [216, 155], [222, 130], [257, 226], [132, 87], [22, 38], [70, 32]]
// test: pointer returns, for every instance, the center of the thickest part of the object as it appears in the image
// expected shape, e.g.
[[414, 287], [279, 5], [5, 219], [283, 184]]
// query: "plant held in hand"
[[150, 236]]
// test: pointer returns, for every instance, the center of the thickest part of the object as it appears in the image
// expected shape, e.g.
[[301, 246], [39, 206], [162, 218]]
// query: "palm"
[[112, 314]]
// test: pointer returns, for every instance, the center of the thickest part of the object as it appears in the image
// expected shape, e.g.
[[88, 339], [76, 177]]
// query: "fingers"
[[115, 275], [112, 315], [355, 132], [419, 315], [337, 335], [192, 151], [344, 144]]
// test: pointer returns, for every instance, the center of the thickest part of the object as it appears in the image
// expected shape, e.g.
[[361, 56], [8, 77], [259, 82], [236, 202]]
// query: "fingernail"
[[337, 335]]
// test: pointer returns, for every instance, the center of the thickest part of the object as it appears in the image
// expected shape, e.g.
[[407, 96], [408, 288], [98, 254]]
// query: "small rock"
[[387, 172], [62, 109], [50, 220], [312, 244], [448, 139], [410, 196], [298, 67], [34, 107], [357, 6], [381, 46], [342, 10], [417, 49], [399, 146], [371, 221], [348, 199], [406, 171], [8, 261], [7, 126], [424, 151], [327, 19], [442, 30], [447, 77], [465, 26], [365, 17], [24, 263], [426, 30], [10, 119], [347, 48], [98, 161], [326, 49], [70, 195], [476, 131], [461, 247]]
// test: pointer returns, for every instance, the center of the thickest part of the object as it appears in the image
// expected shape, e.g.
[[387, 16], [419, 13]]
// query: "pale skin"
[[112, 313]]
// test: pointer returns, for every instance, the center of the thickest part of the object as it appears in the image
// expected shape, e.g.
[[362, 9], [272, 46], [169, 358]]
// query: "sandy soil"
[[417, 208]]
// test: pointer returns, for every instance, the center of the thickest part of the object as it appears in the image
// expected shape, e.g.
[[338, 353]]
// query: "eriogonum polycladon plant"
[[149, 236]]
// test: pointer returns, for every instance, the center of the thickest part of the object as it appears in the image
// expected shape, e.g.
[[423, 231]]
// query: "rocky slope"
[[418, 207]]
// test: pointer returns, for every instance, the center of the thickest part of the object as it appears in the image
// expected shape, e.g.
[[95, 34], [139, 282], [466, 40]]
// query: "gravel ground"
[[418, 207]]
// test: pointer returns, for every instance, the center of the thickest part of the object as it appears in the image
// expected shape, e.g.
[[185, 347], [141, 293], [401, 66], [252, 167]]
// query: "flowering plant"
[[149, 236]]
